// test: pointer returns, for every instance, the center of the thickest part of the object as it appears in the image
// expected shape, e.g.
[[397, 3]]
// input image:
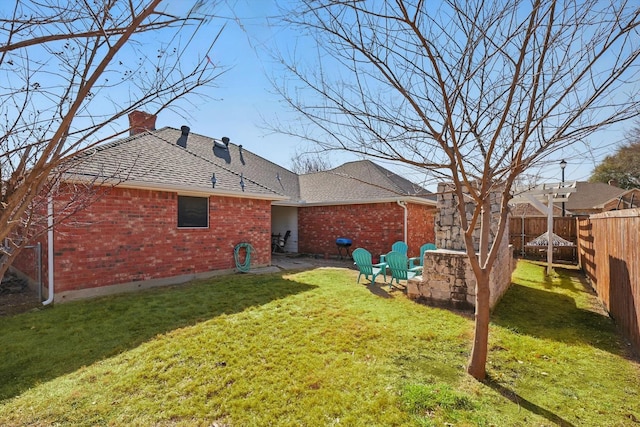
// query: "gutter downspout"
[[406, 215], [49, 249]]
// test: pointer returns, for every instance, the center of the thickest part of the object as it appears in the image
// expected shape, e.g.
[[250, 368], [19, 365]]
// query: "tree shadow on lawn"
[[550, 315], [526, 404], [40, 346]]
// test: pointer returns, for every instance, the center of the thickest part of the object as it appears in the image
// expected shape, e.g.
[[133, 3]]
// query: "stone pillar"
[[448, 230], [447, 277]]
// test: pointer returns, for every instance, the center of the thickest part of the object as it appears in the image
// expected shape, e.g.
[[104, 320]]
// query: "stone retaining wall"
[[448, 279]]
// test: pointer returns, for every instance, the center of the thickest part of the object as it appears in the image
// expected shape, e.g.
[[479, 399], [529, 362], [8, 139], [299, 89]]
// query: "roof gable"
[[357, 181]]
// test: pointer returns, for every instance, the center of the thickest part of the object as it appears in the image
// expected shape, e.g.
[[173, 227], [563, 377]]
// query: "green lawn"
[[315, 349]]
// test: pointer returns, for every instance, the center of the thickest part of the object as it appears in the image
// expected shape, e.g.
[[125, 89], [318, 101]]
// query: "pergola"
[[536, 196]]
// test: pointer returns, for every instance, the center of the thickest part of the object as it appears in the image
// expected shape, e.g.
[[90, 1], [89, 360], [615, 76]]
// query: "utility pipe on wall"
[[404, 206], [49, 249]]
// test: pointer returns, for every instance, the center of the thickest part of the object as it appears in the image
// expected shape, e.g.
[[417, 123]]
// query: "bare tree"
[[478, 91], [69, 71], [302, 162]]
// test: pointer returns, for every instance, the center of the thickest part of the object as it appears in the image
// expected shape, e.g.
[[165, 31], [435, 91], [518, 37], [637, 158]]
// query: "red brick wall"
[[374, 227], [420, 222], [130, 235]]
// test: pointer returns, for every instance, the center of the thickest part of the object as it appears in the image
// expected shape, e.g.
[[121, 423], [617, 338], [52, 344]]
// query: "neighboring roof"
[[154, 160], [357, 182], [589, 196], [592, 195]]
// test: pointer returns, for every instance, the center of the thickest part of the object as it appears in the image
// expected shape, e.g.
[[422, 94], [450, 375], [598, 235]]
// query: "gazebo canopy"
[[543, 240]]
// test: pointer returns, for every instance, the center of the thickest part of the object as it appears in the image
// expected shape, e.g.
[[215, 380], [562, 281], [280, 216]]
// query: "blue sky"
[[242, 104], [244, 101]]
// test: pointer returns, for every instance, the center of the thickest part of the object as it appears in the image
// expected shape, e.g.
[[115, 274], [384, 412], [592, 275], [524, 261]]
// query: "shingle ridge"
[[383, 172], [404, 180], [395, 190]]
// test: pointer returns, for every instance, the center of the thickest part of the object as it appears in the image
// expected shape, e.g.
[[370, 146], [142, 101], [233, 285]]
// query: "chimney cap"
[[225, 140]]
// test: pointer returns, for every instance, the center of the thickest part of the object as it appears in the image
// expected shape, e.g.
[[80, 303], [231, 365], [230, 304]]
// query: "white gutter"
[[406, 214], [411, 199], [49, 248]]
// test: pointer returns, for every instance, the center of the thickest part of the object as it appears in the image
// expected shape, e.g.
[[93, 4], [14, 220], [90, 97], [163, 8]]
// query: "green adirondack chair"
[[420, 259], [399, 265], [398, 246], [362, 259]]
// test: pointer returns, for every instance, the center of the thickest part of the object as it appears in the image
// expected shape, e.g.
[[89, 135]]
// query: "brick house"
[[174, 204]]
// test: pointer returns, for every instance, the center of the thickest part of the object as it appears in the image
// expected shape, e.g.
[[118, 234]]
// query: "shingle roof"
[[357, 181], [239, 160], [590, 195], [155, 159]]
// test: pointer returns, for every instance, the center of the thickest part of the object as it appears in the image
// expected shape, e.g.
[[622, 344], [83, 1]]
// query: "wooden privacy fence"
[[523, 230], [609, 252]]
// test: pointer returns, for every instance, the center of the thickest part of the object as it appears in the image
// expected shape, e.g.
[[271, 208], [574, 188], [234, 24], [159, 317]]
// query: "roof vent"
[[182, 141], [240, 153], [222, 145]]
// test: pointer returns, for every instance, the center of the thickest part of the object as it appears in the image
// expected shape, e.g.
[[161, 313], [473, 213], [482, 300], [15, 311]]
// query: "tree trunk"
[[478, 360]]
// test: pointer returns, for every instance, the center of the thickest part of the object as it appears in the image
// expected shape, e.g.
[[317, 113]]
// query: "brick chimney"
[[139, 122]]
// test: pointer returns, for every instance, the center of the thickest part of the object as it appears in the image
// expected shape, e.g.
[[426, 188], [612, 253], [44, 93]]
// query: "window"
[[193, 211]]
